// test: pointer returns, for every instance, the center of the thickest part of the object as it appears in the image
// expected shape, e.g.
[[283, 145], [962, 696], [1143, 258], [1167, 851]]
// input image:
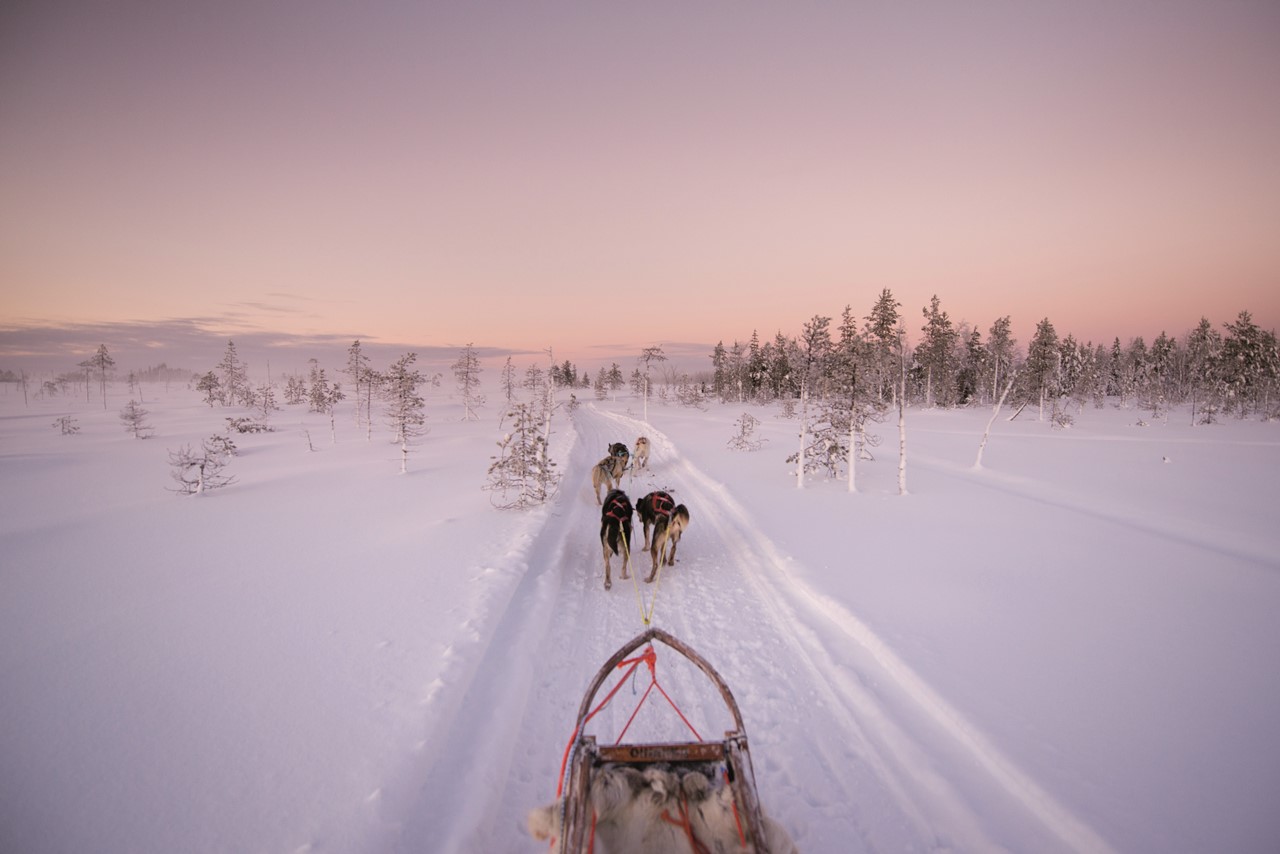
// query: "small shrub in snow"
[[746, 439], [134, 419], [196, 472], [67, 425], [247, 425]]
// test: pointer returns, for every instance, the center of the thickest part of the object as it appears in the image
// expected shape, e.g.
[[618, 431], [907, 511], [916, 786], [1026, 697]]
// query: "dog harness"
[[615, 508], [662, 504]]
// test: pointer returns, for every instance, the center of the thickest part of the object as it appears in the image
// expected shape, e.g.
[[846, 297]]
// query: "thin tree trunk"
[[804, 429], [902, 425], [994, 413]]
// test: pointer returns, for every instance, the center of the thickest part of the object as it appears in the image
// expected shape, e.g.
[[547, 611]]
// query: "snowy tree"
[[358, 370], [1043, 358], [1248, 364], [211, 387], [823, 441], [817, 355], [325, 397], [1000, 344], [746, 439], [197, 472], [508, 382], [100, 362], [67, 425], [648, 356], [936, 354], [882, 333], [974, 368], [295, 390], [265, 401], [134, 419], [1204, 350], [615, 378], [405, 407], [466, 372], [719, 370], [522, 473], [235, 378]]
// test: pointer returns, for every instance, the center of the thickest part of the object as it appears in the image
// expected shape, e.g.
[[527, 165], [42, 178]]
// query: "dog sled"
[[701, 795]]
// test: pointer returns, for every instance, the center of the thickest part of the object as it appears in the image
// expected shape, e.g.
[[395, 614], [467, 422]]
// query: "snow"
[[1071, 648]]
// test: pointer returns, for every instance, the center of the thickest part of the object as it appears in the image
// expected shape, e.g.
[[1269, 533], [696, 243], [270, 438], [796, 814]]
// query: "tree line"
[[867, 362]]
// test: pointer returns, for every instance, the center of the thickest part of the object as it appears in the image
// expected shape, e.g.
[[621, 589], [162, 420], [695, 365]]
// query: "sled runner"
[[688, 768]]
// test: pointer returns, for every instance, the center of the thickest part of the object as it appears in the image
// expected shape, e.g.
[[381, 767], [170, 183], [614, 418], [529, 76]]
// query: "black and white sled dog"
[[615, 532], [668, 520], [619, 452], [642, 453]]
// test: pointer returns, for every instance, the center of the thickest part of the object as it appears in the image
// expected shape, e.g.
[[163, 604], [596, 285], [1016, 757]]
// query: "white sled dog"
[[662, 809], [642, 453], [668, 520]]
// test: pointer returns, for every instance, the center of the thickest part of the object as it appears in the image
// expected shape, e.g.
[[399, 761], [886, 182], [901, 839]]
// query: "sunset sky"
[[604, 176]]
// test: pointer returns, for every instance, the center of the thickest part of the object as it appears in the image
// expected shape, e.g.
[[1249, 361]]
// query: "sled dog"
[[668, 520], [642, 453], [615, 532], [605, 473]]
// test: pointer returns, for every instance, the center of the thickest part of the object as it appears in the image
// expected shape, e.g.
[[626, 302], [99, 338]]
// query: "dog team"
[[658, 511]]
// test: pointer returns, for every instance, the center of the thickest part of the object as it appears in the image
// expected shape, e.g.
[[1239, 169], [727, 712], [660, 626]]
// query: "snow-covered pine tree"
[[101, 362], [134, 419], [329, 406], [648, 356], [235, 378], [746, 439], [358, 371], [466, 372], [405, 407], [508, 382], [211, 387], [522, 473], [265, 401]]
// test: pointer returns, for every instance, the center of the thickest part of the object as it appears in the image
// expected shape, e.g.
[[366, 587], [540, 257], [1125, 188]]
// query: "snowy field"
[[1073, 648]]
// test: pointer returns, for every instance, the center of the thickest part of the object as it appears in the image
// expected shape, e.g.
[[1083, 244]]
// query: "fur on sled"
[[662, 808]]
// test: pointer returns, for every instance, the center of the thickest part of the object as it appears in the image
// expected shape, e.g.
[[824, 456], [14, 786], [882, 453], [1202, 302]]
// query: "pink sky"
[[605, 176]]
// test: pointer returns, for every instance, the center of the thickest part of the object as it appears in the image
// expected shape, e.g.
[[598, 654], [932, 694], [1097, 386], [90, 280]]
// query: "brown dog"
[[669, 520], [605, 473]]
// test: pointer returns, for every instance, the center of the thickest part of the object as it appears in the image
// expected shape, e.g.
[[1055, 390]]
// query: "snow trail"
[[817, 688]]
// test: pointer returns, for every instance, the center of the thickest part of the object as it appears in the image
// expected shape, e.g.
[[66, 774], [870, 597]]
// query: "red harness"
[[662, 504], [615, 508]]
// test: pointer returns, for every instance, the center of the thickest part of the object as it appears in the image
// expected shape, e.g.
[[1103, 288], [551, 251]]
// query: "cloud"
[[197, 344]]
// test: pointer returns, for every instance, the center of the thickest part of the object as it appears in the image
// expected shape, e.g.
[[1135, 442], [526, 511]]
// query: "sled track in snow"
[[843, 733]]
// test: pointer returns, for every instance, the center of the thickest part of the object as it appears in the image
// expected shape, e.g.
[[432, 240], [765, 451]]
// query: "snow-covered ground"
[[1073, 648]]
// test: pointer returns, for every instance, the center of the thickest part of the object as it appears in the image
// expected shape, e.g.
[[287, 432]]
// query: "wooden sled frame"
[[587, 756]]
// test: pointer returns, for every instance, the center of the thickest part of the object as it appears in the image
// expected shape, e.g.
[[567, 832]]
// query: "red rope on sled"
[[650, 658]]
